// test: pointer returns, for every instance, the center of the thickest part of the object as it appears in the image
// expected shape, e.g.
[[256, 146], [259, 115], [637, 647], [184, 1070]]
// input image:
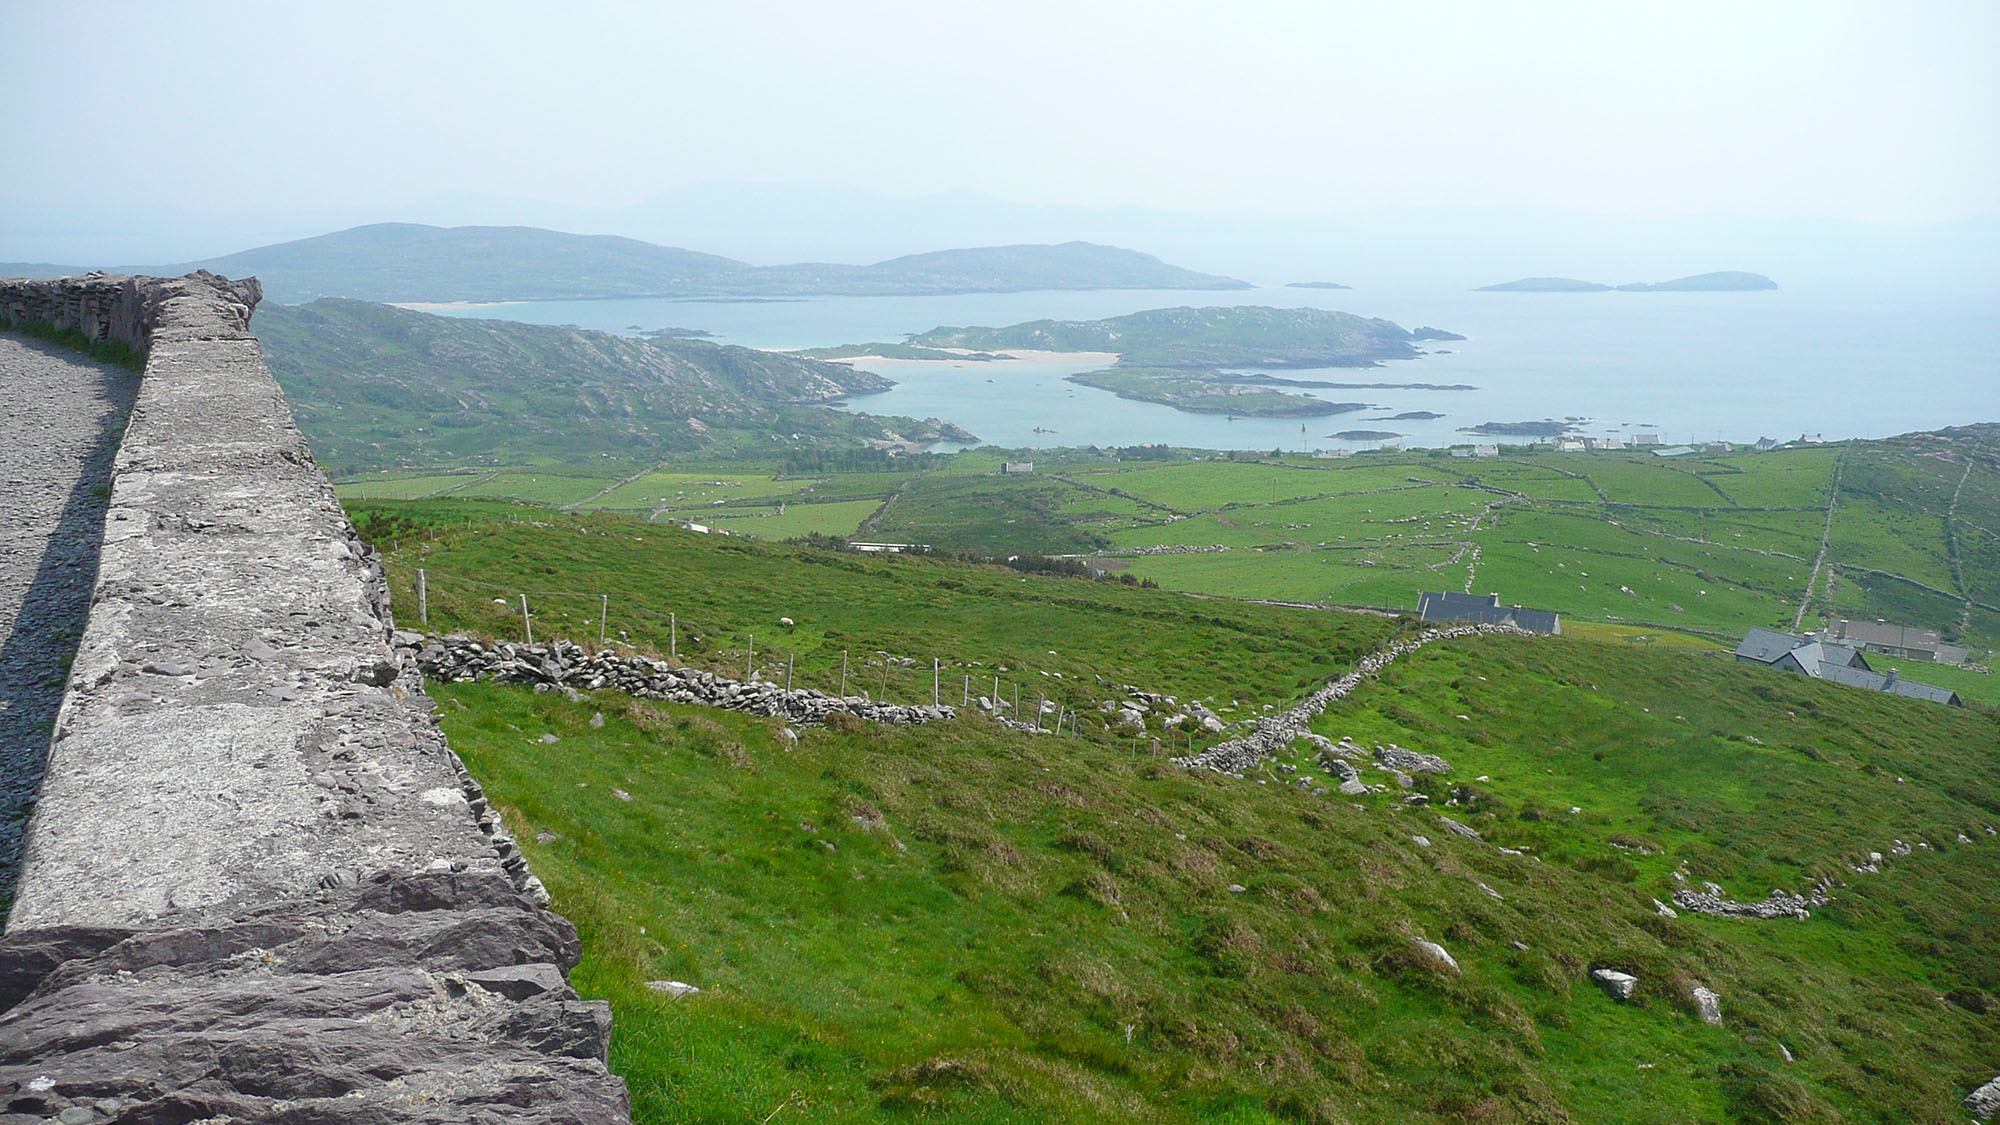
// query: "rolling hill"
[[412, 262], [966, 922]]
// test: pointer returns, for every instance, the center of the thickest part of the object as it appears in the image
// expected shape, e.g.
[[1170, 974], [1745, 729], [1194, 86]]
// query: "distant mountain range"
[[1722, 281], [410, 262], [374, 386]]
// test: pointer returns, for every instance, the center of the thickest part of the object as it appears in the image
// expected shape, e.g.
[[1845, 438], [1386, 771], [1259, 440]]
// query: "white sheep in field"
[[786, 622]]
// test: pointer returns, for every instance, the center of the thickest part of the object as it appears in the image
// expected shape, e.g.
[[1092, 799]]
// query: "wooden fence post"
[[527, 626], [423, 597]]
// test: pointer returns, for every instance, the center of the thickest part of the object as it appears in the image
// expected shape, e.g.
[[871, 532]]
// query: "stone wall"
[[257, 884]]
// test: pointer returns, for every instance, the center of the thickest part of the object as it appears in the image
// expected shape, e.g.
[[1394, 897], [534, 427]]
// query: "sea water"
[[1686, 366]]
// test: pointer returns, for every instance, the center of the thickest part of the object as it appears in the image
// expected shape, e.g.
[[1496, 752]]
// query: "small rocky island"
[[1547, 427]]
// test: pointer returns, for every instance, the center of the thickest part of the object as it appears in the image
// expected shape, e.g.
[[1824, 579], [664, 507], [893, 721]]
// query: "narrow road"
[[60, 417]]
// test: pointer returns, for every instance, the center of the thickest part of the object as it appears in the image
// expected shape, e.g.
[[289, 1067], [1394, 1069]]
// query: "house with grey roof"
[[1896, 640], [1823, 659], [1449, 607]]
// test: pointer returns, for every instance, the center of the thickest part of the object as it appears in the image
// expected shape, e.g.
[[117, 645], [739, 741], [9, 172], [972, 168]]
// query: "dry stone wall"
[[257, 884]]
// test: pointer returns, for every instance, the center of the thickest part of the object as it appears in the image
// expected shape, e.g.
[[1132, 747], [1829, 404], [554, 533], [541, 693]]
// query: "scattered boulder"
[[1436, 956], [1619, 986], [1707, 1005], [673, 988], [1460, 829]]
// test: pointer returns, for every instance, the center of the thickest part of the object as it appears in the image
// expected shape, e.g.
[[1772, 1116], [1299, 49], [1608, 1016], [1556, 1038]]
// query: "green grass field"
[[710, 597], [968, 924], [1713, 545]]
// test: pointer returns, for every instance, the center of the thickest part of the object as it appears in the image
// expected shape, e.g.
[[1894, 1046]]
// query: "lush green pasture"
[[794, 520], [1799, 478], [1196, 486], [1713, 544], [1066, 638], [1373, 575], [536, 487], [963, 923], [676, 489], [387, 487], [1644, 479]]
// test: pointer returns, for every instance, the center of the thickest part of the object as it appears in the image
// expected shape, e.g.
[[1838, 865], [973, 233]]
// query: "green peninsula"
[[1192, 358], [1218, 336]]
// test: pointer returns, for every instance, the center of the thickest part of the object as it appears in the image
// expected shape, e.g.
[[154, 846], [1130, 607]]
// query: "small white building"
[[1569, 445], [1329, 454], [1011, 467], [1461, 451], [1486, 451], [1645, 439]]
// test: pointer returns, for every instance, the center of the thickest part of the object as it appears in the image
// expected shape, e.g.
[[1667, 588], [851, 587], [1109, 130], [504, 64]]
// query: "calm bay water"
[[1689, 366]]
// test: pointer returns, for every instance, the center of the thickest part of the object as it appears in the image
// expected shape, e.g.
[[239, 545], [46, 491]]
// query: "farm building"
[[1485, 611], [1823, 659], [1896, 640], [1016, 467]]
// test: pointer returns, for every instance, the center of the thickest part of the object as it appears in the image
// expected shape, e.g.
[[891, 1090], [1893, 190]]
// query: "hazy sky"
[[1880, 112]]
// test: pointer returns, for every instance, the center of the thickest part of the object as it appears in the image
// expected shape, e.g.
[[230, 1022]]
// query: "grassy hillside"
[[986, 926], [374, 386], [414, 262], [1072, 640]]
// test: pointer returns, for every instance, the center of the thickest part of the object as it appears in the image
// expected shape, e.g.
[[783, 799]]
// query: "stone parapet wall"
[[254, 861]]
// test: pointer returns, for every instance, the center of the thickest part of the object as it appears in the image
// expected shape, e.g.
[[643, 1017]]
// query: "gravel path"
[[60, 417]]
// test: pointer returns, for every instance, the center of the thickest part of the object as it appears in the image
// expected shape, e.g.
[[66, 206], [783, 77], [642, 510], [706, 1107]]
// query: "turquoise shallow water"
[[1734, 366]]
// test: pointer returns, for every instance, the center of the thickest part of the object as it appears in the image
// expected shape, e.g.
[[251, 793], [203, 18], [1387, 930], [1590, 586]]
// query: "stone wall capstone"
[[257, 884]]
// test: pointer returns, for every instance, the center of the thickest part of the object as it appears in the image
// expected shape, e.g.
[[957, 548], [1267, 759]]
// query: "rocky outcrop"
[[1394, 757], [257, 884], [1779, 904], [1275, 733], [561, 664]]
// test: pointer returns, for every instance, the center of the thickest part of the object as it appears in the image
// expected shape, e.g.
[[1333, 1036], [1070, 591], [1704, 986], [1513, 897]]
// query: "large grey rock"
[[1707, 1004], [1617, 985], [1984, 1103], [433, 997], [1436, 955]]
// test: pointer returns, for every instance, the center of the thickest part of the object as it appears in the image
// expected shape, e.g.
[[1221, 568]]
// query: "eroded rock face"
[[434, 997]]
